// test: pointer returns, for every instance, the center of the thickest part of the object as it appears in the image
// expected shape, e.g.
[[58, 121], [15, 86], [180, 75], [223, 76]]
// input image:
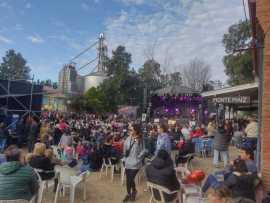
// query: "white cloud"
[[28, 5], [35, 39], [85, 6], [181, 30], [5, 40]]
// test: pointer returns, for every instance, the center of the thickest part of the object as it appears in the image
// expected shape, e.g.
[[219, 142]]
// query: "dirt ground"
[[102, 190]]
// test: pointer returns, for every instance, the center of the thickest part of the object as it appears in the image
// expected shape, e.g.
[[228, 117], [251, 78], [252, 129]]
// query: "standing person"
[[163, 141], [211, 127], [252, 132], [33, 133], [228, 129], [221, 146], [134, 152]]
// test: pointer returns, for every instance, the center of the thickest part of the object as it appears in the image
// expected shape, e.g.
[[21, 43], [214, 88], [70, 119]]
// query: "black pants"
[[131, 174]]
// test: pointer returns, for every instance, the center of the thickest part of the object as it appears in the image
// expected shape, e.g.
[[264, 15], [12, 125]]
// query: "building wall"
[[67, 79], [263, 14]]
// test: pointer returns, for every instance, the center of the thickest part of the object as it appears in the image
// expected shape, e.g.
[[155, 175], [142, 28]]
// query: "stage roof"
[[175, 90], [243, 90]]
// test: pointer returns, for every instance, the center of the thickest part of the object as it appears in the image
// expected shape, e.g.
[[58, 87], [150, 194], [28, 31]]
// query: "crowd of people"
[[83, 142]]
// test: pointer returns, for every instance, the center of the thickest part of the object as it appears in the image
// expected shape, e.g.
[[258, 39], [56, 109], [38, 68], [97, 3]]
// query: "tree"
[[175, 79], [196, 74], [14, 67], [48, 83], [150, 74], [119, 63], [238, 61], [95, 100], [78, 103]]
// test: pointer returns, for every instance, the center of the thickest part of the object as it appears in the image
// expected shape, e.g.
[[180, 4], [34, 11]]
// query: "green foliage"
[[48, 83], [150, 74], [239, 68], [78, 103], [121, 88], [238, 62], [119, 63], [14, 66], [176, 79]]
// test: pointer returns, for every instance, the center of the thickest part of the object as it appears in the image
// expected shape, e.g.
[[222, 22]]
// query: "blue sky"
[[49, 33]]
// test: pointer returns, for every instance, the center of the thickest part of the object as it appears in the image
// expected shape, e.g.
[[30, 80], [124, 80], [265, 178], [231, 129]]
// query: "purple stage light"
[[177, 110], [205, 112]]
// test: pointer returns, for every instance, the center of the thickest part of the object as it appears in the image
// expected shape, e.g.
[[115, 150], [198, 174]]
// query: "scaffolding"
[[11, 101]]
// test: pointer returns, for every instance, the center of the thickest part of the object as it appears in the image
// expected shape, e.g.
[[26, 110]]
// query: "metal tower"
[[102, 54]]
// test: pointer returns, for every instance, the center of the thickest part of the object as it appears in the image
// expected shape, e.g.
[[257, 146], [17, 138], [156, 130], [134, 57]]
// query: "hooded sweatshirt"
[[17, 181], [161, 172]]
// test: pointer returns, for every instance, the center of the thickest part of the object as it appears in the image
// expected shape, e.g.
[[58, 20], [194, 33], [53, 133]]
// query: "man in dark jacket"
[[221, 146], [16, 180], [161, 172], [33, 133]]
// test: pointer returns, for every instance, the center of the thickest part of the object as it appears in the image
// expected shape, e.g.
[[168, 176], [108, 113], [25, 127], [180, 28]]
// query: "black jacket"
[[241, 185], [162, 173], [43, 163]]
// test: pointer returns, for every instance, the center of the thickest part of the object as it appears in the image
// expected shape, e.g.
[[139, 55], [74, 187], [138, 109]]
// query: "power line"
[[80, 68], [85, 50]]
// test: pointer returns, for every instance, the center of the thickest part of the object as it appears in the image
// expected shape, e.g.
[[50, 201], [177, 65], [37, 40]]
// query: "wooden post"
[[263, 16]]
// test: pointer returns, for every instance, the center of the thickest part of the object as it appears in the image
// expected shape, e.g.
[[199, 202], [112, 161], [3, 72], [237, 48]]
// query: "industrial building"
[[72, 83]]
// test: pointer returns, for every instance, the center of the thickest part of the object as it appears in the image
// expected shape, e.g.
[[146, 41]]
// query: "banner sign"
[[232, 100]]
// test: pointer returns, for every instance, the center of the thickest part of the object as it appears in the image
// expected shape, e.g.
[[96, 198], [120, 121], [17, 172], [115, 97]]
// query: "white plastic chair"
[[161, 190], [69, 179], [43, 183], [187, 190], [107, 165]]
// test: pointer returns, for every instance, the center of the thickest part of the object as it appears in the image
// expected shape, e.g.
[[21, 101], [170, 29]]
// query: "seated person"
[[161, 172], [220, 195], [16, 180], [95, 159], [82, 149], [66, 139], [240, 181], [186, 148], [246, 154], [109, 151], [69, 156], [39, 161]]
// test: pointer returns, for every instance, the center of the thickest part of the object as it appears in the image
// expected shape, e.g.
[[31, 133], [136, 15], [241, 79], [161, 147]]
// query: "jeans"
[[224, 155], [212, 180], [131, 174]]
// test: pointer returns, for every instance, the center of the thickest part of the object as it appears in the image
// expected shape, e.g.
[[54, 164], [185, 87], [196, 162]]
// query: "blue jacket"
[[163, 142]]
